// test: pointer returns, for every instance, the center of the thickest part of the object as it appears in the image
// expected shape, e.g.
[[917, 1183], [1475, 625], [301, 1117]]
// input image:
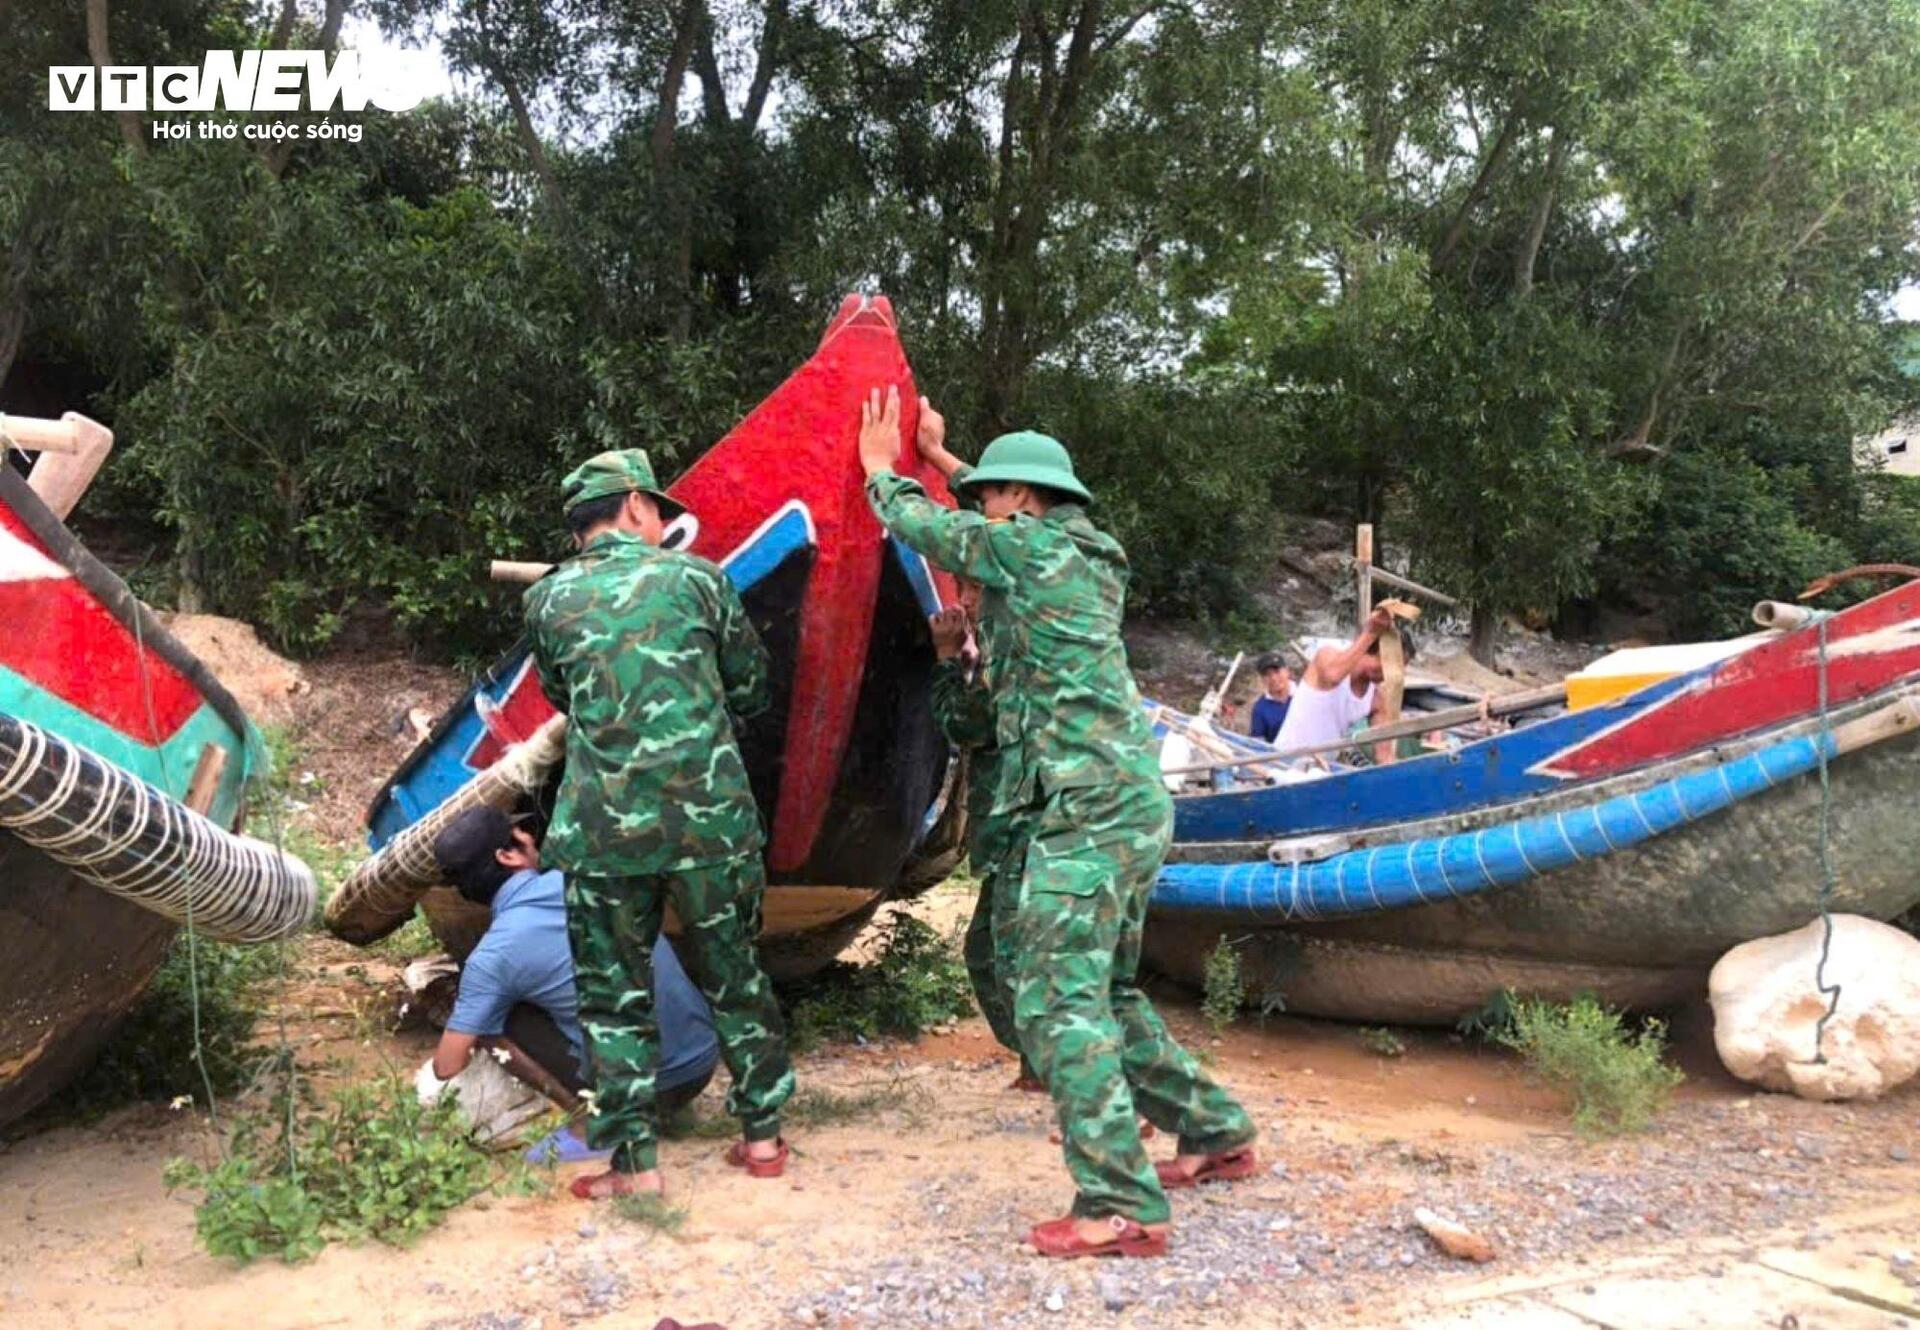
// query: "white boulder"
[[1767, 1006]]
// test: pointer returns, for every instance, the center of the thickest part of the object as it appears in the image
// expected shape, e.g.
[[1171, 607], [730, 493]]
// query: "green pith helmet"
[[1036, 459], [619, 471]]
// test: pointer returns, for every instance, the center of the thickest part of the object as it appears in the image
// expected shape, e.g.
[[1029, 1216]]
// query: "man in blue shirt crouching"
[[516, 988]]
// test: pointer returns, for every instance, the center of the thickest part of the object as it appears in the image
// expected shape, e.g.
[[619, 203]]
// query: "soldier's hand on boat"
[[880, 431], [949, 632], [932, 439]]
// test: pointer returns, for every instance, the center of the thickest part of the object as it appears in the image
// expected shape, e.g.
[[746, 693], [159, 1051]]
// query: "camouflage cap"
[[617, 471]]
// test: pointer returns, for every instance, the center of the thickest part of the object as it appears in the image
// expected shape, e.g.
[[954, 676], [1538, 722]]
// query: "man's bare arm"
[[1332, 665], [1387, 750], [454, 1052]]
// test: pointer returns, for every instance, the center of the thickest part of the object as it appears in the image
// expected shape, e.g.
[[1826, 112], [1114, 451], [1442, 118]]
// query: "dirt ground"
[[911, 1213]]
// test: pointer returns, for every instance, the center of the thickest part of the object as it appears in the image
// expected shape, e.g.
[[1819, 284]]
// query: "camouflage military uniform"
[[964, 710], [1078, 768], [647, 650]]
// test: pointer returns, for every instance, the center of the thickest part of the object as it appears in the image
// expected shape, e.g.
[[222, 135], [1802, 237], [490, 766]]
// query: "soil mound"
[[263, 682]]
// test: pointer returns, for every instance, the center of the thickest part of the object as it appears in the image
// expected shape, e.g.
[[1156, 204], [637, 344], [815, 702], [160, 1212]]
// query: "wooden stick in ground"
[[1507, 705], [1363, 572]]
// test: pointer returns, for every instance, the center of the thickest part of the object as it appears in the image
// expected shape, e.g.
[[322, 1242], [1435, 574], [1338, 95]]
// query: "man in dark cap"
[[652, 657], [1276, 694], [517, 988]]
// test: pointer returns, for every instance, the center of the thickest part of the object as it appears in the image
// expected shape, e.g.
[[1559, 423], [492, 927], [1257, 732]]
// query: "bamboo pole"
[[1506, 705]]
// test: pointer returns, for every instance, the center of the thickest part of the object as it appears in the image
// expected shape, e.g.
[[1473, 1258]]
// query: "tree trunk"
[[1542, 211], [666, 120], [529, 137], [1483, 636], [279, 153], [765, 63], [1457, 230], [13, 329], [100, 51]]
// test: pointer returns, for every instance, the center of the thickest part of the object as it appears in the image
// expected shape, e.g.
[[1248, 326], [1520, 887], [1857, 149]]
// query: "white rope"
[[380, 894], [123, 835]]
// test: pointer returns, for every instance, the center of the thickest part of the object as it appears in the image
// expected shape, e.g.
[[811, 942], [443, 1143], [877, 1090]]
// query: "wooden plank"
[[205, 782]]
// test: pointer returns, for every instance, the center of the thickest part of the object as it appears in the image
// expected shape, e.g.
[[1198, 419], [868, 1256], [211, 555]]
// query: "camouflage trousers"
[[988, 946], [1086, 1025], [612, 923]]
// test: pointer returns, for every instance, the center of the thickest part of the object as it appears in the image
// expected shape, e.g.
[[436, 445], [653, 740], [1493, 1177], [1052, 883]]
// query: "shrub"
[[918, 980], [1379, 1039], [1225, 988], [1617, 1077], [373, 1163]]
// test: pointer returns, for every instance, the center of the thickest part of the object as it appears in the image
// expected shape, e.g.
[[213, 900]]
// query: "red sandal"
[[1027, 1083], [1057, 1238], [759, 1168], [1227, 1166], [582, 1187]]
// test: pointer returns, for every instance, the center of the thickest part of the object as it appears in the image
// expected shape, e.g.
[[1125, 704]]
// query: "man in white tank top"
[[1337, 691]]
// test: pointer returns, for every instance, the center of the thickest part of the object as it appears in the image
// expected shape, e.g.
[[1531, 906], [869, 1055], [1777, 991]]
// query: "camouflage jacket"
[[1066, 712], [647, 650], [963, 709]]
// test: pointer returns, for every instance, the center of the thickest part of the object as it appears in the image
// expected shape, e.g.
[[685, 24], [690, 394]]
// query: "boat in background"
[[123, 766], [848, 767], [1620, 848]]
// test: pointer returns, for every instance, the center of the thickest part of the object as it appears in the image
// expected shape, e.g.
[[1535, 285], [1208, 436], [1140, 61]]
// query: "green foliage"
[[651, 1211], [410, 941], [1379, 1039], [1617, 1077], [1581, 303], [1224, 989], [373, 1162], [917, 980], [152, 1055], [1492, 1021]]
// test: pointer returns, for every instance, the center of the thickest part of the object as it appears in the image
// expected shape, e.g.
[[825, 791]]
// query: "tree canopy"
[[1582, 302]]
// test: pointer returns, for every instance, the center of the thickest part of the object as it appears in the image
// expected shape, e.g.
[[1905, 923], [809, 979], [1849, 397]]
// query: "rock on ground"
[[1767, 1005]]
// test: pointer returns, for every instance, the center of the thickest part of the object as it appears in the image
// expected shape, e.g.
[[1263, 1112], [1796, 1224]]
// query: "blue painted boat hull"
[[1551, 859]]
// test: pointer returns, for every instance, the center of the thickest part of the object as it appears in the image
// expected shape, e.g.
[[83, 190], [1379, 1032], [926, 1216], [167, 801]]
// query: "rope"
[[193, 935], [136, 842], [1829, 991]]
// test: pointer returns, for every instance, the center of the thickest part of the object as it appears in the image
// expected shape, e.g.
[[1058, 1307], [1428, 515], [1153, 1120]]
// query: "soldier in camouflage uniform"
[[1077, 767], [647, 651], [964, 711]]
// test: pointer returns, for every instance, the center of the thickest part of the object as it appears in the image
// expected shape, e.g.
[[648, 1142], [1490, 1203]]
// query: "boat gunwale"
[[117, 598], [1532, 805]]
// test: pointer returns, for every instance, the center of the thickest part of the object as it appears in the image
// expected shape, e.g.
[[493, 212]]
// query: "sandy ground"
[[910, 1214]]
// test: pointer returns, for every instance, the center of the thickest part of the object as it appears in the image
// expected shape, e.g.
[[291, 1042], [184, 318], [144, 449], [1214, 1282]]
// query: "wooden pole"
[[1506, 705], [1407, 584], [205, 782], [508, 570], [72, 450], [1363, 572]]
